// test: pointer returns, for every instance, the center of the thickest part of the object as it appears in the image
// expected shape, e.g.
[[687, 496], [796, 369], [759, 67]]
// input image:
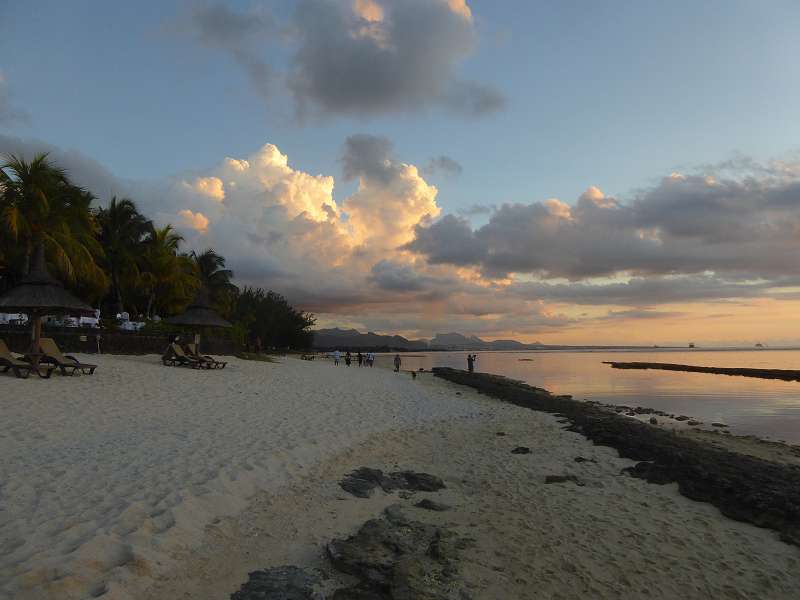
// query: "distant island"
[[352, 339]]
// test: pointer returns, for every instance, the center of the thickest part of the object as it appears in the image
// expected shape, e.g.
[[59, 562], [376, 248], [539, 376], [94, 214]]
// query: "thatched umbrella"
[[199, 314], [39, 294]]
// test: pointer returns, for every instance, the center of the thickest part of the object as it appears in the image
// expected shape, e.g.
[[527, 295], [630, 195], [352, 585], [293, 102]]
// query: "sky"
[[568, 172]]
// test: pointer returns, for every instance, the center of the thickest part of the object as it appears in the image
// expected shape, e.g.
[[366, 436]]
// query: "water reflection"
[[762, 407]]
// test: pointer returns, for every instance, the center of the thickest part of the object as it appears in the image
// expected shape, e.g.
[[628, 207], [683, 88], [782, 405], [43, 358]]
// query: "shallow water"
[[762, 407]]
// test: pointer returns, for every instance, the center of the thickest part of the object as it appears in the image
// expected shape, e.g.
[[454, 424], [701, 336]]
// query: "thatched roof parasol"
[[200, 314], [39, 293]]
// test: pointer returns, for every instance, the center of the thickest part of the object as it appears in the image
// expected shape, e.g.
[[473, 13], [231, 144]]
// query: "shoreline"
[[561, 518], [598, 534], [744, 487]]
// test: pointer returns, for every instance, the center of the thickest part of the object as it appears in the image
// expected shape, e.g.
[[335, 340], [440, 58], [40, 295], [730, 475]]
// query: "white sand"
[[103, 477], [116, 486]]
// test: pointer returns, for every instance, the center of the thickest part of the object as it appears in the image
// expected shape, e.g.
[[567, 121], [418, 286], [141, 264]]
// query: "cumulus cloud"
[[212, 187], [685, 224], [383, 257], [197, 221], [392, 197], [357, 57]]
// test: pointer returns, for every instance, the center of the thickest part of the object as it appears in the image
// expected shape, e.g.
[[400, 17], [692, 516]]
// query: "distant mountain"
[[331, 339], [457, 341]]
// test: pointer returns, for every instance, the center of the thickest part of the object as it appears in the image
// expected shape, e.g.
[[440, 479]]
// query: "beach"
[[149, 482]]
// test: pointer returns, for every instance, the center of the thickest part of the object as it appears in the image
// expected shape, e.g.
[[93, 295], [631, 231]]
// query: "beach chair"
[[52, 355], [174, 356], [22, 369], [191, 351]]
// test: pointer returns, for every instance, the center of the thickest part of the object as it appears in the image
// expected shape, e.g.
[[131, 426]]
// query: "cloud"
[[641, 313], [354, 57], [384, 258], [686, 224], [237, 34], [392, 197], [211, 187], [443, 164], [197, 221], [9, 114], [396, 277], [643, 291], [450, 240], [84, 170], [474, 210]]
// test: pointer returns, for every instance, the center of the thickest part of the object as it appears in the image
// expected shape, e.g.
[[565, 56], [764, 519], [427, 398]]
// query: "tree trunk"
[[150, 301], [115, 283]]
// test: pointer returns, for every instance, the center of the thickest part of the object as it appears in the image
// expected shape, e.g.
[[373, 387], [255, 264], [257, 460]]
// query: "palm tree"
[[122, 231], [39, 205], [169, 278], [216, 279]]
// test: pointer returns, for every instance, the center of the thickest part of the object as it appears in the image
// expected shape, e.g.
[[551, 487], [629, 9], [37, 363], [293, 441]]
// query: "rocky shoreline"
[[742, 487], [782, 374]]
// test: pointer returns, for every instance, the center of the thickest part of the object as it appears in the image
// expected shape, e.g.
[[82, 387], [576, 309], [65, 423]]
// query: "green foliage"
[[122, 234], [114, 255], [216, 279], [39, 205], [269, 317]]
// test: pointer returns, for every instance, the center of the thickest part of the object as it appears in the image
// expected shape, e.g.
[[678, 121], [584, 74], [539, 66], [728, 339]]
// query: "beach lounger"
[[52, 355], [191, 351], [174, 356], [21, 368]]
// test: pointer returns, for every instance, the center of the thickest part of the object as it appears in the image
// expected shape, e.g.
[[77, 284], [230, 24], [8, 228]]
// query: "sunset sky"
[[569, 172]]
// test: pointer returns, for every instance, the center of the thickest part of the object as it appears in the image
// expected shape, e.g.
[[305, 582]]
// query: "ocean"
[[762, 407]]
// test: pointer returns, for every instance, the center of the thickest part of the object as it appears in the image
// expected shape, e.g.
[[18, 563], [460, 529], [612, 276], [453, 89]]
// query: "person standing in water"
[[397, 362], [360, 358], [471, 362], [347, 359]]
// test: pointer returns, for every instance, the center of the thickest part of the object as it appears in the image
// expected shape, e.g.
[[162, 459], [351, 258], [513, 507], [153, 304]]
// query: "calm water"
[[750, 406]]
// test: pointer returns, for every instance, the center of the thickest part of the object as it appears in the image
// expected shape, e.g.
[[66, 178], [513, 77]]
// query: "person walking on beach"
[[397, 362], [347, 359], [471, 362], [370, 359], [360, 359], [336, 356]]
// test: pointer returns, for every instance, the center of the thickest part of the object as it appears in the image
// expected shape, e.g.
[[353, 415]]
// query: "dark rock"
[[281, 583], [580, 459], [501, 433], [428, 504], [743, 487], [682, 418], [360, 592], [718, 425], [395, 558], [694, 423], [521, 450], [563, 479], [653, 421], [363, 481]]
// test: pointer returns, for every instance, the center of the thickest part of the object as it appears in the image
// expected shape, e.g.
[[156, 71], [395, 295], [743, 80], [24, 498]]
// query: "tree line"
[[116, 258]]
